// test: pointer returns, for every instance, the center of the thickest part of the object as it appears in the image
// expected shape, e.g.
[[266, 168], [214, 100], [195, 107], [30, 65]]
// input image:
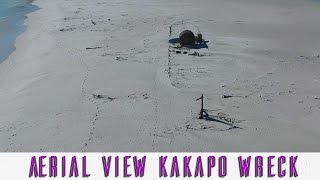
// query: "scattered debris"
[[67, 18], [188, 126], [230, 96], [121, 58], [67, 29], [99, 96], [132, 96], [204, 127], [145, 96], [226, 96], [89, 48], [135, 96]]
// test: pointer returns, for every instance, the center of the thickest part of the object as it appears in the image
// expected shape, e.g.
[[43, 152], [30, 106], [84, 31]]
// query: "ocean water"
[[12, 16]]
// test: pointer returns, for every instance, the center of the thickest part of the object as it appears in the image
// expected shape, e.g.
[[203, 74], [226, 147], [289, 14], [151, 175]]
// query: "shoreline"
[[74, 85], [13, 26], [21, 40]]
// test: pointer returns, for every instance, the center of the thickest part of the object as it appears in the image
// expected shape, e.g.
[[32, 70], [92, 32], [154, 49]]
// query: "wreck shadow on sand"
[[202, 45]]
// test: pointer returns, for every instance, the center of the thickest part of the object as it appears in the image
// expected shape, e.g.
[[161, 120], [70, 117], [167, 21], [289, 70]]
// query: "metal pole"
[[201, 104], [201, 110]]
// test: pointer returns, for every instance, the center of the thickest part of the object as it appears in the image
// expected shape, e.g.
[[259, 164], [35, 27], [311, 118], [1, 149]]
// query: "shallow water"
[[12, 16]]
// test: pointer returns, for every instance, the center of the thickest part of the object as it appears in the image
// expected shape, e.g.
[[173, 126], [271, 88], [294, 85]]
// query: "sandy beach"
[[95, 76]]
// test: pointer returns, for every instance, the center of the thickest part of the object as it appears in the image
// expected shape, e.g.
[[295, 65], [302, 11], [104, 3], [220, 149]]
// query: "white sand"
[[265, 53]]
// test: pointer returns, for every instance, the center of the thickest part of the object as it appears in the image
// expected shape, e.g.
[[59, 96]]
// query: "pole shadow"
[[220, 119]]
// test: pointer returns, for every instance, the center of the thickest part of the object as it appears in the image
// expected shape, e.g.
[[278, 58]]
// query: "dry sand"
[[94, 76]]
